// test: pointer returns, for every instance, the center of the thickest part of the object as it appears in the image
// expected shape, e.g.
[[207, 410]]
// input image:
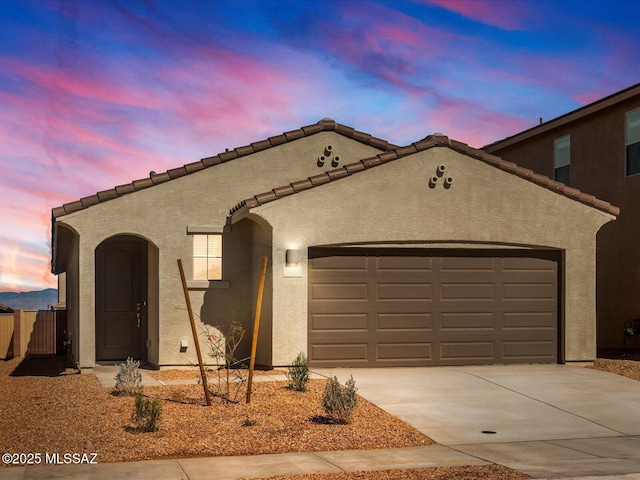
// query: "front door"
[[121, 286]]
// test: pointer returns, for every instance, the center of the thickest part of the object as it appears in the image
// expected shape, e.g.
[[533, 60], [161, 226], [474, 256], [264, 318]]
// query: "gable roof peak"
[[324, 125]]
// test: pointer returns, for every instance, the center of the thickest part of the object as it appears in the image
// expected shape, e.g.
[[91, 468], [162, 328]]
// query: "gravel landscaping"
[[74, 413], [45, 408]]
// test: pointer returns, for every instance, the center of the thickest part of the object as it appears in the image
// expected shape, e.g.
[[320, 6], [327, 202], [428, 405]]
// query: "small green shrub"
[[298, 373], [338, 402], [146, 413], [128, 379], [249, 422]]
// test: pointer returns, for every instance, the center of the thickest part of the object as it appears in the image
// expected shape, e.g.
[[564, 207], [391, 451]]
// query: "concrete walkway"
[[547, 421]]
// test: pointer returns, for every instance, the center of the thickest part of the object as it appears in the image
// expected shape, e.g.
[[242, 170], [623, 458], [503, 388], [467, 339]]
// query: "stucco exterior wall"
[[161, 215], [393, 203]]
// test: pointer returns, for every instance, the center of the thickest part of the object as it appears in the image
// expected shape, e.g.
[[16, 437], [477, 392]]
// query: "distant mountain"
[[39, 300]]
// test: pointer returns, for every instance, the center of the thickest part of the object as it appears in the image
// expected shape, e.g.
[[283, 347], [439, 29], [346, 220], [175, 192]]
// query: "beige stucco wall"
[[484, 207], [161, 215]]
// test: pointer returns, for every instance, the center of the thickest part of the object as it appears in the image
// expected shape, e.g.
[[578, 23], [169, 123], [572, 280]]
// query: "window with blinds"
[[207, 257]]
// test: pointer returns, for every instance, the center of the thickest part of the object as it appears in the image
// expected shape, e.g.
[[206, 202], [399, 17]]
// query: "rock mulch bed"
[[46, 408], [55, 412]]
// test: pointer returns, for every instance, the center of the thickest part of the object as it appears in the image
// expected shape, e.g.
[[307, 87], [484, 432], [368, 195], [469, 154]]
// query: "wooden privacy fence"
[[6, 335], [31, 332]]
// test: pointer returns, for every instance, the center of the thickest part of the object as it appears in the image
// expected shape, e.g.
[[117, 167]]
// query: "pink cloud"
[[508, 15], [472, 122], [22, 267]]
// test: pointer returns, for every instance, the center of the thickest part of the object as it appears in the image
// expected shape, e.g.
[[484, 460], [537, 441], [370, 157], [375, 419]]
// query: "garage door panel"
[[403, 291], [340, 354], [401, 352], [483, 308], [337, 322], [467, 321], [404, 321], [464, 351], [530, 265], [530, 320], [341, 264], [402, 265], [529, 291], [466, 264], [464, 292], [529, 351], [339, 292]]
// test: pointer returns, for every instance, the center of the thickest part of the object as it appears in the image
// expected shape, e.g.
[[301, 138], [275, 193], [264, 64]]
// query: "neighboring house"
[[5, 308], [430, 254], [597, 149]]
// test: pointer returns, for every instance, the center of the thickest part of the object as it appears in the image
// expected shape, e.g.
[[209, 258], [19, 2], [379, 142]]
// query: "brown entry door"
[[121, 285]]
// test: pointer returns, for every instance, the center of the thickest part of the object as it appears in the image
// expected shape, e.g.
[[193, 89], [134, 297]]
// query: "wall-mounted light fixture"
[[292, 258]]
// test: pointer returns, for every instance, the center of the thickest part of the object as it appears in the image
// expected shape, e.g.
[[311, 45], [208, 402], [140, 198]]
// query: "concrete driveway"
[[548, 421]]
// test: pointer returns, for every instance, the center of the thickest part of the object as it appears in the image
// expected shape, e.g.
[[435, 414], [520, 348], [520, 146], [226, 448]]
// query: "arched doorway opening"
[[121, 298]]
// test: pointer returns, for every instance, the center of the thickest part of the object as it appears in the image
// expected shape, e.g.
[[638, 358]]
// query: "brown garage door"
[[401, 307]]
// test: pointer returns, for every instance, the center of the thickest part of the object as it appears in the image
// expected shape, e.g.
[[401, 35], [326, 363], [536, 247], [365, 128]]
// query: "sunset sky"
[[97, 93]]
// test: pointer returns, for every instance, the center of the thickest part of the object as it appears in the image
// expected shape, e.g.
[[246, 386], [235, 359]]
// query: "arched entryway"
[[122, 298]]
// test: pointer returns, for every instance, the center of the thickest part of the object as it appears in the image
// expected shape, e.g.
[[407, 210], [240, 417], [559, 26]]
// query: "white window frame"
[[208, 231], [207, 256]]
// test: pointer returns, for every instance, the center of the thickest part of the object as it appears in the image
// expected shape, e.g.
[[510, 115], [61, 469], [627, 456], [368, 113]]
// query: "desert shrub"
[[128, 379], [298, 373], [338, 402], [249, 422], [146, 413]]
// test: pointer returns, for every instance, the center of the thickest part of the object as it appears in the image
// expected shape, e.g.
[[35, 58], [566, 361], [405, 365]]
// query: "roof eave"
[[566, 118]]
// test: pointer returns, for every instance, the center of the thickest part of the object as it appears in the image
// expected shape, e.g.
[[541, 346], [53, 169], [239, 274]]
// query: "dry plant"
[[229, 378]]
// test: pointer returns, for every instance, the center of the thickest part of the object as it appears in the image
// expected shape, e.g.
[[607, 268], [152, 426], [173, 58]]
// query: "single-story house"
[[429, 254]]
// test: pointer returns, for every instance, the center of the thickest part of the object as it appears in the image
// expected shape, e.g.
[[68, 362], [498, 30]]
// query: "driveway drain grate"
[[489, 432]]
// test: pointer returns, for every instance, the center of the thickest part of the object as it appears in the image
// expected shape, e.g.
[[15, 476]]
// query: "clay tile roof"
[[354, 167], [177, 172], [194, 167], [226, 156], [89, 201], [211, 161], [142, 183], [283, 191], [107, 195], [160, 178], [437, 140], [58, 212], [324, 125], [246, 150], [301, 185]]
